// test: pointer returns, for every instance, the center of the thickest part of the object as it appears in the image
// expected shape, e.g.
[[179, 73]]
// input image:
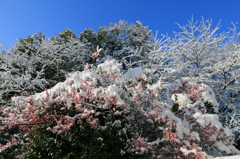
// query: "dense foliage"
[[121, 92]]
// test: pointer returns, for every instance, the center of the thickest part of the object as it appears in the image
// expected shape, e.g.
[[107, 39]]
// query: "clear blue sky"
[[21, 18]]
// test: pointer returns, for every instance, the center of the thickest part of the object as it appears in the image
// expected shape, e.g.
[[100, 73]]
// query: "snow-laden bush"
[[147, 119]]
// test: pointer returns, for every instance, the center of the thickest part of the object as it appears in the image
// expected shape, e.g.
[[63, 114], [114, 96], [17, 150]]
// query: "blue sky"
[[21, 18]]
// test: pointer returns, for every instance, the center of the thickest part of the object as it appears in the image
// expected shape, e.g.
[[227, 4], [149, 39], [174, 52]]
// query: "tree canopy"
[[122, 92]]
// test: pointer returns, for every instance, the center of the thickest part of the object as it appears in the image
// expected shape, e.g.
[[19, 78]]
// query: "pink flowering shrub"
[[152, 119]]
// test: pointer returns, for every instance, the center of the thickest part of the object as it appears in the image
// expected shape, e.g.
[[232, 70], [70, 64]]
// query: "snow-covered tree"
[[132, 44], [206, 57], [34, 63], [153, 121]]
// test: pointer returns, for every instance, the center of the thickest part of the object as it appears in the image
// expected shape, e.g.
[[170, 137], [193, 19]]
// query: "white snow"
[[113, 91], [133, 73], [181, 99], [196, 135], [222, 147], [229, 157], [110, 66], [209, 96]]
